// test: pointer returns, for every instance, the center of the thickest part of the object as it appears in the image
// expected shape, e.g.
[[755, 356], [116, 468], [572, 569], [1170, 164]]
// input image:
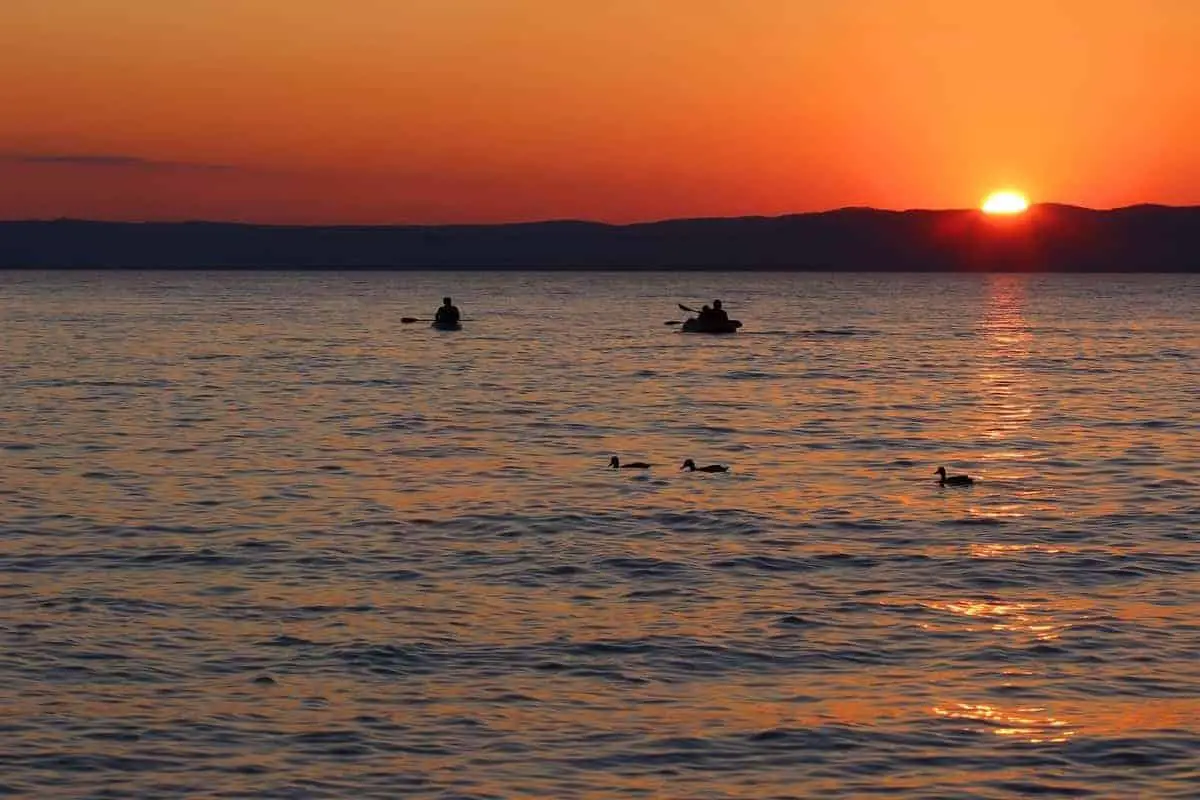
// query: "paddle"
[[409, 320], [678, 322]]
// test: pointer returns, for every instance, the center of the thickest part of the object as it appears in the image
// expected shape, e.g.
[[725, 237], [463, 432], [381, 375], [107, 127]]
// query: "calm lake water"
[[259, 539]]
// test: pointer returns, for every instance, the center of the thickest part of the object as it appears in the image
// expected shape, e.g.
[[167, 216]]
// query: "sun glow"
[[1005, 203]]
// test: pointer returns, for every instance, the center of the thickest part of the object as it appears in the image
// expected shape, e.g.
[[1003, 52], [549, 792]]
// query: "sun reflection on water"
[[1013, 617], [1003, 380], [999, 550], [1033, 724]]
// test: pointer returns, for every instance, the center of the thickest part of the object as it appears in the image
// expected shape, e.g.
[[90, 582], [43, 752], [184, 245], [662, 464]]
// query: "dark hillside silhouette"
[[1047, 238]]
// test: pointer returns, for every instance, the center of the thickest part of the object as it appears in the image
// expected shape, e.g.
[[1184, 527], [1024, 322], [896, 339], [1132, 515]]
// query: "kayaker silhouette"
[[714, 315], [709, 319], [447, 313]]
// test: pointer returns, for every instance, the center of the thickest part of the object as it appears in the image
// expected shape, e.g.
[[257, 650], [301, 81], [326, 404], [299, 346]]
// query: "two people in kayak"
[[447, 313], [714, 315]]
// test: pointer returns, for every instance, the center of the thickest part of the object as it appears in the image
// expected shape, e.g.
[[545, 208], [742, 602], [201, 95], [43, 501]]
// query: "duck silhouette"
[[953, 480], [615, 463], [690, 466]]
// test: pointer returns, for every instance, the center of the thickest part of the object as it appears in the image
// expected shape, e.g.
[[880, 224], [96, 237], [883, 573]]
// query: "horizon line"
[[580, 221]]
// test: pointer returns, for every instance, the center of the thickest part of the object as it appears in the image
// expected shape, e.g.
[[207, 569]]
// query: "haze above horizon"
[[451, 111]]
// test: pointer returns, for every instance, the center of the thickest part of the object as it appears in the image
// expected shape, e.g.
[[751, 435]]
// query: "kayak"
[[693, 325], [446, 326]]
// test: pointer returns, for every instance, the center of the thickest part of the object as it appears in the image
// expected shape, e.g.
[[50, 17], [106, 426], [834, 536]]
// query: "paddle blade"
[[672, 322], [408, 320], [689, 310]]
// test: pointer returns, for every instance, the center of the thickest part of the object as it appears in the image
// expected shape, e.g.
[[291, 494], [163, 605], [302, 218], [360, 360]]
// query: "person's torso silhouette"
[[447, 313]]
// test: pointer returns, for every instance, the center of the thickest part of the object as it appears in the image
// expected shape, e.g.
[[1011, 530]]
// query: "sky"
[[436, 111]]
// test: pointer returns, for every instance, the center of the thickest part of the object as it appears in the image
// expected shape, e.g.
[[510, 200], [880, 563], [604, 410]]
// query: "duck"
[[690, 466], [615, 463], [953, 480]]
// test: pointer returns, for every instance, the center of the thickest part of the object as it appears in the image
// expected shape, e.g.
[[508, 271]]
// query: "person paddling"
[[447, 313], [709, 319], [713, 315]]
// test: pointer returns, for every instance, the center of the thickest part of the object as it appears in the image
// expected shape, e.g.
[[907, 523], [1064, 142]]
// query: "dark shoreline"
[[1048, 238]]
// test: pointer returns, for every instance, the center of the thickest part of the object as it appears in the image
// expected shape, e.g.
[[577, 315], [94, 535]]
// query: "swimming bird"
[[690, 466], [615, 463], [953, 480]]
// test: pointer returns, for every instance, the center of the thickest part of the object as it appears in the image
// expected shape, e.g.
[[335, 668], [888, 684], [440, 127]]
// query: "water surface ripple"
[[261, 540]]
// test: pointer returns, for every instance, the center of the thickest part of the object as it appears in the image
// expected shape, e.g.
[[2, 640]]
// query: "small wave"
[[642, 567], [750, 375]]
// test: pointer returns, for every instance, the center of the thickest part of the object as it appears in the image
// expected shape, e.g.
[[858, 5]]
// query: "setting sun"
[[1005, 203]]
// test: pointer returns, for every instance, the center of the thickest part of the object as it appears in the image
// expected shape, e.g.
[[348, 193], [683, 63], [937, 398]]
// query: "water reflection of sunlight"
[[1004, 511], [1003, 381], [997, 550], [1011, 617], [1032, 724]]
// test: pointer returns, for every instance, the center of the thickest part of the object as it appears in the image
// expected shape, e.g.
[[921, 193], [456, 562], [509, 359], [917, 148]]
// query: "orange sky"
[[493, 110]]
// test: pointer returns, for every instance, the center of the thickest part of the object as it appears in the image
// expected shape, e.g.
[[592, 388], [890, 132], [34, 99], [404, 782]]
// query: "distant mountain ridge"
[[1048, 237]]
